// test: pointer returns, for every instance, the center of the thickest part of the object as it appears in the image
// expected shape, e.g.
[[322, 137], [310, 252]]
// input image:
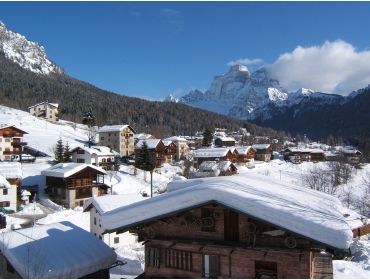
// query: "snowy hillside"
[[43, 135], [29, 55]]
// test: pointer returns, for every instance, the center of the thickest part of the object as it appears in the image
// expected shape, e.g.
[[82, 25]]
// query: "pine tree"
[[59, 149], [66, 153], [207, 137], [144, 161]]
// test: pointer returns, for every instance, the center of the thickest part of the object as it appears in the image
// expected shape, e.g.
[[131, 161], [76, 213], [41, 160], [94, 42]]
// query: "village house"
[[317, 155], [45, 110], [70, 184], [156, 150], [211, 154], [181, 146], [99, 156], [246, 154], [214, 169], [11, 142], [225, 141], [60, 250], [98, 206], [120, 138], [236, 227], [296, 155], [169, 151], [10, 181], [263, 152], [352, 156], [143, 136]]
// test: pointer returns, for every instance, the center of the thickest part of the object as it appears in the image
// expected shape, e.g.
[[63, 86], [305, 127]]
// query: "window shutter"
[[213, 266]]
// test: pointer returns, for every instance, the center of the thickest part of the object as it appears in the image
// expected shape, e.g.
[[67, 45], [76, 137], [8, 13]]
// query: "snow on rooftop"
[[11, 170], [142, 136], [151, 143], [64, 170], [98, 150], [4, 182], [108, 203], [261, 146], [243, 150], [112, 128], [209, 166], [60, 250], [176, 139], [212, 152], [226, 139], [303, 211]]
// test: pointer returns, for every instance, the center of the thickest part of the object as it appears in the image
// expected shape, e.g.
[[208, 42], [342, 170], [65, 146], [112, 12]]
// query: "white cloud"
[[245, 61], [334, 67]]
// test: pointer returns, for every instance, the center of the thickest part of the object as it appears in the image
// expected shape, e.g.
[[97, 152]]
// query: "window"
[[80, 152], [4, 204], [210, 266], [178, 259], [80, 160], [5, 191], [7, 140], [116, 240], [94, 220], [100, 237], [153, 258], [208, 222], [101, 138], [265, 270]]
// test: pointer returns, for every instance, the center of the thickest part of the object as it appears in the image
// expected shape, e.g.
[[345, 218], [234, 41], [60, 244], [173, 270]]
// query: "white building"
[[46, 110], [98, 206], [181, 146], [96, 155], [119, 138], [10, 180]]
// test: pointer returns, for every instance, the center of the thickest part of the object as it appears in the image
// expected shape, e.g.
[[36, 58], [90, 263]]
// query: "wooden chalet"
[[169, 151], [245, 154], [212, 154], [212, 228], [71, 184], [214, 169], [156, 149], [11, 142], [263, 152], [225, 142], [317, 155]]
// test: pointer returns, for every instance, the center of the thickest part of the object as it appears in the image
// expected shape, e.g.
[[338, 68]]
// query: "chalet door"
[[231, 225]]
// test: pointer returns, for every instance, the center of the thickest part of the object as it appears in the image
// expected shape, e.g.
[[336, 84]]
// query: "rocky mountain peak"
[[27, 54]]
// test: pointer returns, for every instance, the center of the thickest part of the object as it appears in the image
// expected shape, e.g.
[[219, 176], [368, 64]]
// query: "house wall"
[[46, 111], [239, 244], [96, 229], [120, 141], [181, 149], [11, 197]]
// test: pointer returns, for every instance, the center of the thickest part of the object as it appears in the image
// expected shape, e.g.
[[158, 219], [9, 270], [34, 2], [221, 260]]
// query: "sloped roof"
[[244, 149], [14, 127], [175, 139], [4, 182], [212, 152], [207, 166], [261, 146], [151, 143], [98, 150], [226, 139], [60, 250], [114, 128], [142, 136], [312, 214], [56, 105], [64, 170], [11, 170]]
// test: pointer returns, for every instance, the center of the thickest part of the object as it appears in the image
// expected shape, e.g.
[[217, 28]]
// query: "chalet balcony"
[[8, 152], [18, 143]]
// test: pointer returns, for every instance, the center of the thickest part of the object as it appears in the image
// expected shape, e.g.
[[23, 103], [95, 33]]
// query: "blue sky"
[[152, 49]]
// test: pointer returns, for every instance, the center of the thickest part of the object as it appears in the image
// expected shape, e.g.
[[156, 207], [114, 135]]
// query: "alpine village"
[[95, 184]]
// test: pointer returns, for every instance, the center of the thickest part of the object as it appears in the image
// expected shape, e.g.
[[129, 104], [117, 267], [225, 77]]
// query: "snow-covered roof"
[[56, 105], [142, 136], [312, 214], [151, 143], [261, 146], [166, 142], [113, 128], [64, 170], [98, 150], [4, 182], [11, 170], [212, 152], [13, 126], [60, 250], [108, 203], [176, 139], [226, 139], [244, 150], [351, 152], [207, 166]]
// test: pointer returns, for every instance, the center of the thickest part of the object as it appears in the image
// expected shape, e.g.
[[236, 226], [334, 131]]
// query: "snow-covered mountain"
[[250, 95], [29, 55]]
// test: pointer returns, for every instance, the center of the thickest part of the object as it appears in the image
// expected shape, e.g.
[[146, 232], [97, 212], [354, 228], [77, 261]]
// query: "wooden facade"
[[220, 142], [213, 241], [264, 154], [170, 152], [157, 153], [228, 156], [75, 189], [11, 142], [247, 156]]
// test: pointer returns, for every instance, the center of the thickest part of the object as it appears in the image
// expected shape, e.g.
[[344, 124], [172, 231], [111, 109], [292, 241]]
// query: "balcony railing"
[[18, 143]]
